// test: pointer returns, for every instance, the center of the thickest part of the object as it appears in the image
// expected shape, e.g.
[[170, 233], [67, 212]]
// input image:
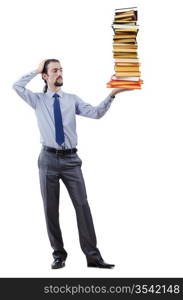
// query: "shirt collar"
[[50, 94]]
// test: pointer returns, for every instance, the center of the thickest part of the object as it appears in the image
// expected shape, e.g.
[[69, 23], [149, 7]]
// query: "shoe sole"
[[100, 267], [54, 268]]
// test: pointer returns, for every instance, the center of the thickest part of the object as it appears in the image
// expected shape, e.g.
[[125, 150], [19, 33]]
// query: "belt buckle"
[[60, 151]]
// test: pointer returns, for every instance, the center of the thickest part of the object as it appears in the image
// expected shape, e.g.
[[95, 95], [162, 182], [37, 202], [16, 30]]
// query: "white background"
[[132, 157]]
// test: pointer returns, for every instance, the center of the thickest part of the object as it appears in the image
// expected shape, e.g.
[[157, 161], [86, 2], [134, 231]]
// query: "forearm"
[[94, 112], [103, 107]]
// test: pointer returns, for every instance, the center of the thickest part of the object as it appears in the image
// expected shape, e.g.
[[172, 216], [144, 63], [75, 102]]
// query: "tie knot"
[[56, 96]]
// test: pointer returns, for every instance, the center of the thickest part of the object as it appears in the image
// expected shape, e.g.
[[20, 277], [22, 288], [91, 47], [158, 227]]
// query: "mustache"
[[57, 83]]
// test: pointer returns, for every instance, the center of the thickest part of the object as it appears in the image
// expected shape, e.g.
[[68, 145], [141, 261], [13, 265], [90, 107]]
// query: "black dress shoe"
[[100, 263], [58, 263]]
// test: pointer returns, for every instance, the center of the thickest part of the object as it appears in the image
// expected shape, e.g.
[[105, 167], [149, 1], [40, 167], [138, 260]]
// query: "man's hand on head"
[[41, 66]]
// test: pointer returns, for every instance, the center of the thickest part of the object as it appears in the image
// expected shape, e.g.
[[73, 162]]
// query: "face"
[[54, 75]]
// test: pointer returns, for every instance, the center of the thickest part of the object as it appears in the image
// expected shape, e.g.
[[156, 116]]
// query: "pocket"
[[79, 159], [73, 160]]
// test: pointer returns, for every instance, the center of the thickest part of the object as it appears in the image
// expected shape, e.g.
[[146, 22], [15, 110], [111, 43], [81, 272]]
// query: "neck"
[[54, 88]]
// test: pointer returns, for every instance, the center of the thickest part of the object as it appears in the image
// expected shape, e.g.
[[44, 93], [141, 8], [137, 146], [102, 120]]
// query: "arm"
[[25, 94], [96, 112], [19, 86]]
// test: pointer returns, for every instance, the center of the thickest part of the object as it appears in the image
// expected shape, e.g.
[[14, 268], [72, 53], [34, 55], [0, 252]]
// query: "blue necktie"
[[59, 131]]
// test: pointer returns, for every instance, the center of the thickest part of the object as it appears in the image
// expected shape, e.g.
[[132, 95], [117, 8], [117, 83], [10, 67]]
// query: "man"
[[55, 111]]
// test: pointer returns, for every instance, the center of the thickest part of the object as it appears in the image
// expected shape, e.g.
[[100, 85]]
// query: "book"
[[125, 78], [127, 9], [123, 26], [126, 69], [131, 73], [126, 60], [130, 84], [125, 50], [121, 45]]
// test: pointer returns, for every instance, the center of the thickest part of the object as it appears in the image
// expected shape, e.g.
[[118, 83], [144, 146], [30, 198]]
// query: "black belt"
[[60, 151]]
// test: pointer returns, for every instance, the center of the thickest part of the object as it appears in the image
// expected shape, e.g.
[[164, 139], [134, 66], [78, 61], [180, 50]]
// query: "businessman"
[[55, 111]]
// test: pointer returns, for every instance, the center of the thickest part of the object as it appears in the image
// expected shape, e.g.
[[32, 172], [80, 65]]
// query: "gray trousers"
[[52, 168]]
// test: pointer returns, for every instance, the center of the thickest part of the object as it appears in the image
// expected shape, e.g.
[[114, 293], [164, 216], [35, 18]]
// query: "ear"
[[45, 76]]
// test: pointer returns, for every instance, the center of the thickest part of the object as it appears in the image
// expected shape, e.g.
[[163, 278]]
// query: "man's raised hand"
[[41, 66], [119, 90]]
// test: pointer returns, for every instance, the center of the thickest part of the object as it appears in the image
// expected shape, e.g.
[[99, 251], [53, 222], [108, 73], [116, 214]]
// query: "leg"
[[74, 182], [50, 188]]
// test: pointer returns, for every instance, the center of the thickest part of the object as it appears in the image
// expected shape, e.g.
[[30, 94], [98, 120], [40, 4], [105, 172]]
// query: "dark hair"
[[45, 71]]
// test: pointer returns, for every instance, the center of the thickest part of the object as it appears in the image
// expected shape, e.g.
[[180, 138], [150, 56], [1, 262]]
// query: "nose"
[[59, 72]]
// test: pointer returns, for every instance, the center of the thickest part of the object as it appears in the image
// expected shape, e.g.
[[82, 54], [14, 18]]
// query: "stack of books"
[[127, 66]]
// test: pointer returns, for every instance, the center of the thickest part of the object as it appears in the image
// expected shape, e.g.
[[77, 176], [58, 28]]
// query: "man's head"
[[52, 74]]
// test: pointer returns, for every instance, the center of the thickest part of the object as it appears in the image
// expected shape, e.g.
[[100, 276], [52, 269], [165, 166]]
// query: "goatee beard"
[[58, 83]]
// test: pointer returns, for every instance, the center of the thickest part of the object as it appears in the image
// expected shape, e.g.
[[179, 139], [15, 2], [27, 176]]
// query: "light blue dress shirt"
[[70, 105]]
